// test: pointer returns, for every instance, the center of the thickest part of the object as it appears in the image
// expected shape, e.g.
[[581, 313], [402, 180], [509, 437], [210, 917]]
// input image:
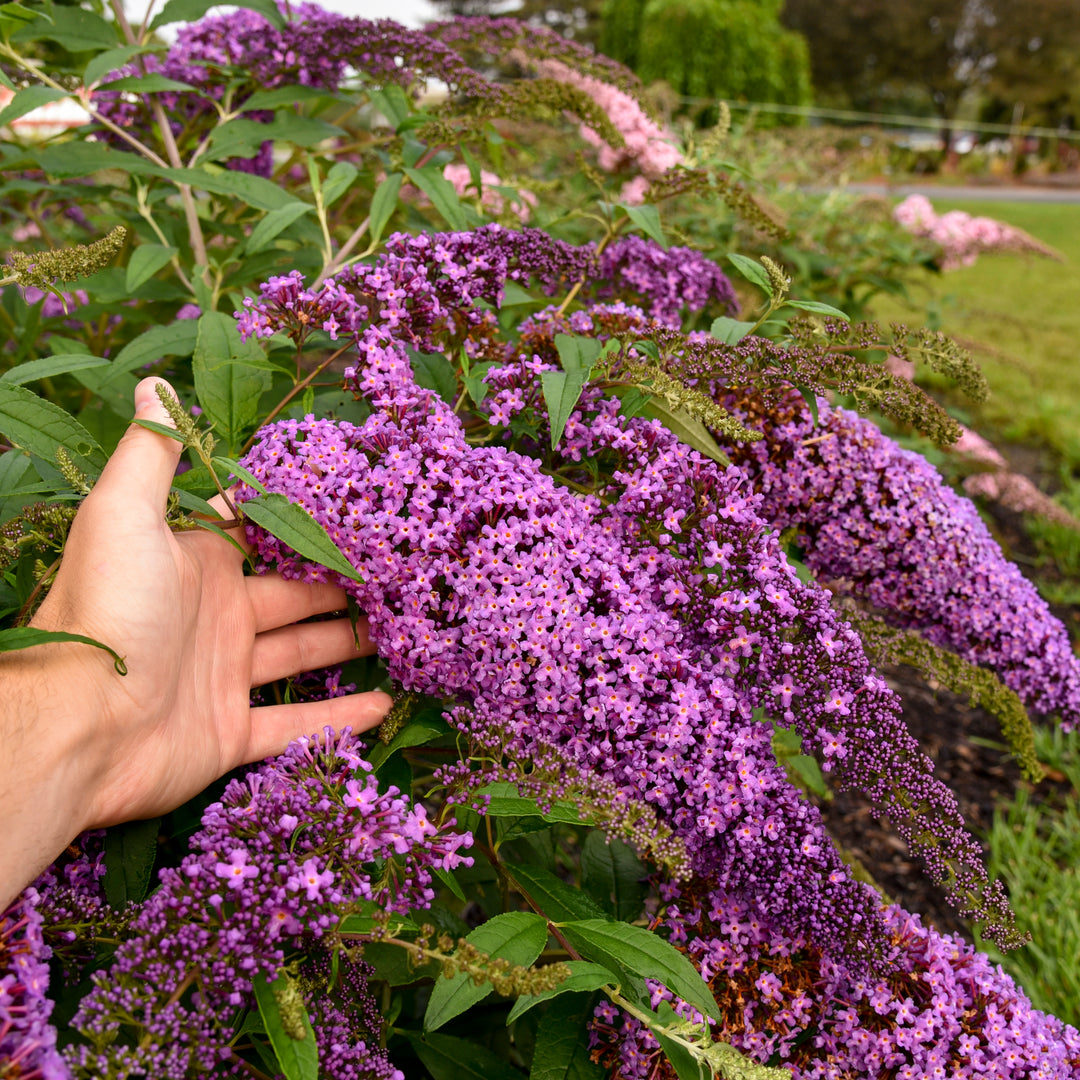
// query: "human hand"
[[83, 747]]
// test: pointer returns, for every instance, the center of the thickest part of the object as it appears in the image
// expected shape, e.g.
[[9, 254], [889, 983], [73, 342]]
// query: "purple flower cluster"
[[941, 1009], [291, 848], [318, 48], [27, 1039], [882, 519], [639, 631], [424, 288]]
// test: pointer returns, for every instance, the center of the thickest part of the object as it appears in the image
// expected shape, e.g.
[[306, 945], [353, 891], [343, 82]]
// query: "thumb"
[[143, 464]]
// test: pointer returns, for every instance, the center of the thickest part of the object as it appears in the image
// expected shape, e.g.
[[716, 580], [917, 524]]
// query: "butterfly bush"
[[242, 52], [882, 518], [962, 236], [940, 1009], [288, 850], [27, 1039], [451, 539], [647, 149]]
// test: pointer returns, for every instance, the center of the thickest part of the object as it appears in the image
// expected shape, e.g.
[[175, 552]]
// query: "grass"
[[1024, 312], [1020, 315], [1035, 850]]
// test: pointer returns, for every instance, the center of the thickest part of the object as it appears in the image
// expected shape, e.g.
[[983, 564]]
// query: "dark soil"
[[982, 777]]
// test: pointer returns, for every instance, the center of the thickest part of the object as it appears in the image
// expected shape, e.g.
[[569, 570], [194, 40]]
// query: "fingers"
[[273, 727], [307, 647], [141, 468], [276, 601]]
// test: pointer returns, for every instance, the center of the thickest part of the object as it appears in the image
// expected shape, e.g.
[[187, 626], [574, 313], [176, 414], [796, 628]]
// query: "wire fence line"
[[897, 120]]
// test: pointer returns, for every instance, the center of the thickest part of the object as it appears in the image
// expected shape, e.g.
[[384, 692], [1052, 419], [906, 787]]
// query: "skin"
[[82, 747]]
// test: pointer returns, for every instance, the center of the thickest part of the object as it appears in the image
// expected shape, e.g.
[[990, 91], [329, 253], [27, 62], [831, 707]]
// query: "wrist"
[[49, 708]]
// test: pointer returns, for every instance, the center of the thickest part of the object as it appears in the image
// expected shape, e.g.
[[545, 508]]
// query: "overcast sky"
[[409, 12]]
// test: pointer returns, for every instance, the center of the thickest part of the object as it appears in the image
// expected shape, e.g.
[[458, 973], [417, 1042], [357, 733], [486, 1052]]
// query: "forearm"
[[46, 760]]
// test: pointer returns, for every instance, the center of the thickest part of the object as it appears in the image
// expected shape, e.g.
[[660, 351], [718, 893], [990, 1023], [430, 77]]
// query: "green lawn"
[[1026, 313]]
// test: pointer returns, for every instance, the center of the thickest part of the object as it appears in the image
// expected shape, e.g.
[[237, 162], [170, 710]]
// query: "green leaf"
[[48, 366], [474, 381], [230, 376], [730, 331], [557, 900], [514, 295], [516, 936], [30, 97], [193, 10], [26, 637], [562, 1041], [338, 180], [243, 137], [447, 1058], [433, 371], [393, 964], [641, 952], [613, 875], [506, 802], [584, 977], [647, 219], [291, 523], [283, 95], [40, 426], [393, 103], [161, 429], [83, 158], [440, 191], [373, 915], [562, 389], [810, 397], [18, 14], [752, 271], [77, 30], [383, 203], [114, 59], [275, 222], [686, 429], [451, 882], [175, 339], [256, 191], [146, 260], [130, 850], [240, 473], [418, 731], [648, 348], [151, 83], [285, 1017], [818, 308], [680, 1059]]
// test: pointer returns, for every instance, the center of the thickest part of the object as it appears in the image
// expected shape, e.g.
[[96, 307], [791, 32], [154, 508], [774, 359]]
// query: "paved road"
[[989, 192]]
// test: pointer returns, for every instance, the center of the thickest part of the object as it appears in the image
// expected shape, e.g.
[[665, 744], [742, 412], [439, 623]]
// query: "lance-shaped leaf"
[[291, 523], [25, 637], [583, 977], [556, 900], [285, 1018], [130, 850], [562, 1041], [516, 936], [383, 203], [440, 191], [686, 429], [647, 219], [447, 1058], [40, 426], [752, 271], [638, 951], [48, 366], [230, 376], [146, 260], [562, 389]]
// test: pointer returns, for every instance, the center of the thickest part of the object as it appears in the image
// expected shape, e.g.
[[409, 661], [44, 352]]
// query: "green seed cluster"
[[41, 269]]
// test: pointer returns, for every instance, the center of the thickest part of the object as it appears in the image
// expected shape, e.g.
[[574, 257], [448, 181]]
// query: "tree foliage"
[[710, 48], [874, 53]]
